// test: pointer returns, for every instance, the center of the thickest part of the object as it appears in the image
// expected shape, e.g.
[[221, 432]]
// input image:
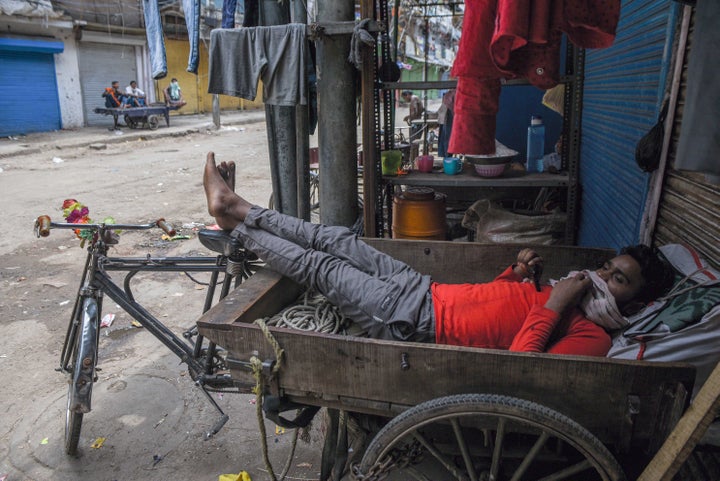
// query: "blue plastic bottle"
[[535, 145]]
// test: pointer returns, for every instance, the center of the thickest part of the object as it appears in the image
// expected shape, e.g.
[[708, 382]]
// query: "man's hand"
[[528, 264], [568, 293]]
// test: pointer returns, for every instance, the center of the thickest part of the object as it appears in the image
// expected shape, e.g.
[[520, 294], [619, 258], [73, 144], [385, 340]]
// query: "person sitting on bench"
[[114, 98], [390, 300], [173, 94], [135, 97]]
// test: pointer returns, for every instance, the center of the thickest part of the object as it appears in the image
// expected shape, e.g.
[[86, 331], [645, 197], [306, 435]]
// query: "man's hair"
[[656, 271], [132, 82], [114, 82], [407, 92], [173, 79]]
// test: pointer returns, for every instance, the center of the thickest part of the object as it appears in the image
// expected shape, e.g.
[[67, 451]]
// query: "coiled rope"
[[312, 312], [259, 390]]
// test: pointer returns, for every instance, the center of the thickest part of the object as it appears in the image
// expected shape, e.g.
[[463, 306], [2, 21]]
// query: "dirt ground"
[[145, 406]]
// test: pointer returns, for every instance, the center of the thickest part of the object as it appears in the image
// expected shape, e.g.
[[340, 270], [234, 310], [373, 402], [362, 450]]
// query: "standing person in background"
[[173, 94], [445, 121], [135, 96], [416, 112]]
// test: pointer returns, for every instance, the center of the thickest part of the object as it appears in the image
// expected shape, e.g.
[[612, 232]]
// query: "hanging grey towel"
[[276, 55]]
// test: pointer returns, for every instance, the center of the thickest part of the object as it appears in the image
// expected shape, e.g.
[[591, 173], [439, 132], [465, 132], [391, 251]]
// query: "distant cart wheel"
[[153, 122], [481, 437], [130, 122]]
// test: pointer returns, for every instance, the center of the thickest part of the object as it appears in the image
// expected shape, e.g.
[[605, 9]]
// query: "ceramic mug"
[[424, 163], [452, 165]]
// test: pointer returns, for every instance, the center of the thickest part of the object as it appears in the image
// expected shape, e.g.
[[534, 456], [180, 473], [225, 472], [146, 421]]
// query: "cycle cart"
[[117, 278], [135, 117], [454, 412]]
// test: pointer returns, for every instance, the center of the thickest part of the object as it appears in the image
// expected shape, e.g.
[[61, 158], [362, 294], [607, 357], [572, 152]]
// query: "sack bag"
[[494, 224], [649, 148]]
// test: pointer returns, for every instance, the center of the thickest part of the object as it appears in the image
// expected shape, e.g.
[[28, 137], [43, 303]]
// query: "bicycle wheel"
[[481, 436], [82, 376]]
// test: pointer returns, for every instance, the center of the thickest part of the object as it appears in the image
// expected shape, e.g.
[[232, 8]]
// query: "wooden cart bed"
[[623, 403]]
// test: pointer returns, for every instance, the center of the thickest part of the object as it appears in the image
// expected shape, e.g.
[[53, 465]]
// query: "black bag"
[[649, 148]]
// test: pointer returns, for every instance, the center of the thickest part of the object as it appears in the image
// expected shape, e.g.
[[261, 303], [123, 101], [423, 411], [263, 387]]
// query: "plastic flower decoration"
[[75, 212]]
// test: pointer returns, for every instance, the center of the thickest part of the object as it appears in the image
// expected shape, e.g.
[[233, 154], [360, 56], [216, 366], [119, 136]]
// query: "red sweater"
[[510, 314]]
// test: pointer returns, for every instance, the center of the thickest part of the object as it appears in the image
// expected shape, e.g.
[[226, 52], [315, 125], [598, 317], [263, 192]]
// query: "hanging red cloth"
[[517, 39]]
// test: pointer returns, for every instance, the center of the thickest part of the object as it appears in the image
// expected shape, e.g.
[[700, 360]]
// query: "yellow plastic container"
[[419, 213]]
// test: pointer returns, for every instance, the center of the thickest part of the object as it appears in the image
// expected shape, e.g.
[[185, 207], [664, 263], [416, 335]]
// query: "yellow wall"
[[194, 87]]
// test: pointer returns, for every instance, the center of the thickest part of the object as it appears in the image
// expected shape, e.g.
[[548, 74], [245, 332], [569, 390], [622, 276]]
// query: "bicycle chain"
[[397, 459]]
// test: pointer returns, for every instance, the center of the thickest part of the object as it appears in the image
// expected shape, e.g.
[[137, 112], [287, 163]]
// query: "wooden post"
[[688, 432]]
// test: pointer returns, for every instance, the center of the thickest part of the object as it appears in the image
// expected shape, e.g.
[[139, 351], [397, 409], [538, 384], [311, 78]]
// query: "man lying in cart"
[[390, 300]]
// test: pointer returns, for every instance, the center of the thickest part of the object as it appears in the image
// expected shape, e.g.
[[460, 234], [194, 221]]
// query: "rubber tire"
[[130, 122], [499, 406], [153, 122], [73, 425], [73, 420]]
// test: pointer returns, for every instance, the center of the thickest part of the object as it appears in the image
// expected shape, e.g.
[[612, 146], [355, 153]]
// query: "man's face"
[[133, 84], [116, 85], [623, 277]]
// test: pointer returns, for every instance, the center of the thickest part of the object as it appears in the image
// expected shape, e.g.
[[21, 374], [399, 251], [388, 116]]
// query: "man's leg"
[[367, 300], [396, 301], [337, 241]]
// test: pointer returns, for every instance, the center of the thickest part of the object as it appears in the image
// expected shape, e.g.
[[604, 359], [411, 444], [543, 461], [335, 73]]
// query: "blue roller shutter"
[[28, 87], [623, 92]]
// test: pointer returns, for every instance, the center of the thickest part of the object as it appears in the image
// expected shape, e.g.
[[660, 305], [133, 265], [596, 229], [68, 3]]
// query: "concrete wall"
[[68, 80]]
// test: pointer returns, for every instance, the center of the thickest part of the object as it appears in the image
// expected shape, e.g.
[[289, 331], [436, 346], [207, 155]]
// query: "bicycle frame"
[[96, 282]]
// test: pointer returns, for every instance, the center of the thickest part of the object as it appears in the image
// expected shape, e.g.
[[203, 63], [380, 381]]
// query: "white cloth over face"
[[276, 55], [598, 304]]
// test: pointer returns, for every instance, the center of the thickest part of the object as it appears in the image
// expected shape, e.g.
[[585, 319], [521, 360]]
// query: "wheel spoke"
[[463, 449], [527, 460], [569, 471], [438, 455], [497, 451]]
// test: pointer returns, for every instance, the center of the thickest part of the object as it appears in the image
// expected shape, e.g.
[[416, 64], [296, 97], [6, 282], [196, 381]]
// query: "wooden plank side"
[[460, 262], [688, 432], [264, 294], [592, 391]]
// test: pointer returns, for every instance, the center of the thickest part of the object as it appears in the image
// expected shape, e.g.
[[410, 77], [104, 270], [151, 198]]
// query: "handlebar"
[[167, 228], [43, 225]]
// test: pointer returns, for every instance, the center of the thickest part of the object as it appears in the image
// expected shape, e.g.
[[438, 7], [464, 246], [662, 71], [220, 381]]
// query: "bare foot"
[[228, 208], [227, 172]]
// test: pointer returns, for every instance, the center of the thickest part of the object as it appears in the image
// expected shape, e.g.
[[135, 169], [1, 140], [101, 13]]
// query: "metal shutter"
[[688, 211], [29, 95], [100, 64], [624, 85]]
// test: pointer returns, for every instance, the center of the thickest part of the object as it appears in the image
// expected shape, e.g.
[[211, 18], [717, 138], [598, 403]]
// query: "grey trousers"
[[275, 54], [386, 297]]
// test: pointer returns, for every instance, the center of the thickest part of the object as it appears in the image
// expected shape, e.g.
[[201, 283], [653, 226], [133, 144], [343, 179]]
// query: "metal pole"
[[337, 132], [302, 134], [425, 77], [216, 110], [370, 159], [280, 121]]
